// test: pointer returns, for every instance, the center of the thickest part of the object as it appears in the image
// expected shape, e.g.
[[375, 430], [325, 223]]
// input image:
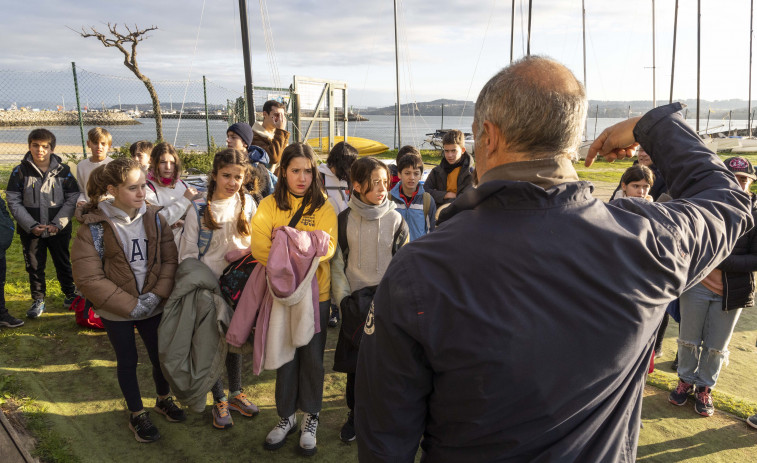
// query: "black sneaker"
[[10, 321], [752, 421], [703, 405], [347, 433], [144, 430], [170, 410], [68, 300], [38, 306], [334, 316], [681, 394]]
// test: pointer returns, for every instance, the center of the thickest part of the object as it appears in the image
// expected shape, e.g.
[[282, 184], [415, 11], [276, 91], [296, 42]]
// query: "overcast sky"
[[448, 48]]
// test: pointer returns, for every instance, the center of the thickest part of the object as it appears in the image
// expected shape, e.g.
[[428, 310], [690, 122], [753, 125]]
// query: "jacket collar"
[[537, 184]]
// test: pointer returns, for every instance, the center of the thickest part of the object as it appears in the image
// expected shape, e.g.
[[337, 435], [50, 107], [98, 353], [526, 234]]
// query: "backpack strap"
[[152, 187], [297, 216], [204, 234], [400, 237], [96, 229], [426, 203], [342, 234]]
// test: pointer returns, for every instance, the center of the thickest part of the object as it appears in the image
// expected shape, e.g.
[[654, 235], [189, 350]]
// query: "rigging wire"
[[189, 76], [269, 44], [478, 60]]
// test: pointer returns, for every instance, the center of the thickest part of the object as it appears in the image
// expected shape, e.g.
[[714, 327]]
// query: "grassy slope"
[[64, 380]]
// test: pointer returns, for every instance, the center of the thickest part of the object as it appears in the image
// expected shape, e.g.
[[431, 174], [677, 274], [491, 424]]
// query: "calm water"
[[380, 128]]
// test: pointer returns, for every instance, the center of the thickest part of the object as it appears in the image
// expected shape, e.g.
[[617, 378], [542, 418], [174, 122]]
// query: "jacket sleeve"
[[278, 143], [89, 277], [262, 231], [168, 261], [743, 262], [14, 194], [431, 217], [188, 241], [340, 286], [326, 221], [432, 188], [466, 181], [71, 195], [700, 227], [393, 378]]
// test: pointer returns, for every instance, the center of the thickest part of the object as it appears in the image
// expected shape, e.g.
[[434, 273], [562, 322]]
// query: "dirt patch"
[[12, 411]]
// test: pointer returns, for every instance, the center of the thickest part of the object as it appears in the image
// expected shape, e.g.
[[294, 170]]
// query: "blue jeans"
[[705, 332]]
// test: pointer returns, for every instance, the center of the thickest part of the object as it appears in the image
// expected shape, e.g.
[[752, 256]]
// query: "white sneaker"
[[307, 436], [278, 435]]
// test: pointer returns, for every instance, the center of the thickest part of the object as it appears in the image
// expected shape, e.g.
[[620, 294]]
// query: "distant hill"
[[428, 108]]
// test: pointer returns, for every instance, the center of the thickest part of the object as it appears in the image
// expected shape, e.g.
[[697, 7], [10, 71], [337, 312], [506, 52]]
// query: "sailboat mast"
[[583, 13], [528, 48], [247, 63], [397, 70], [512, 31], [654, 66], [751, 34], [673, 64], [699, 54]]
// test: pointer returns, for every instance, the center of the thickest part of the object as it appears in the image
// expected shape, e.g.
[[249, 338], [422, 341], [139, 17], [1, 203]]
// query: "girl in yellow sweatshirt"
[[299, 383]]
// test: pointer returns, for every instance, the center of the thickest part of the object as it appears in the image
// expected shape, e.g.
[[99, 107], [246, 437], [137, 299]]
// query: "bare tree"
[[121, 41]]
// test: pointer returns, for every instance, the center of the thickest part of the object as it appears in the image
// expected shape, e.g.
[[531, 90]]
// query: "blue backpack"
[[205, 234]]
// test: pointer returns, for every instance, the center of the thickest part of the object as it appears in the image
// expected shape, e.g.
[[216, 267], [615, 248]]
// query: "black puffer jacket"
[[738, 268]]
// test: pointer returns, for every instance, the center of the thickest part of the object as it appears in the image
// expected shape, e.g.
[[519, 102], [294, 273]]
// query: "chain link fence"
[[195, 114]]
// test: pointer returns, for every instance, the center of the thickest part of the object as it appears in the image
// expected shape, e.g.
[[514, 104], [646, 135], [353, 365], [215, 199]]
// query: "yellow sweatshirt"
[[269, 216]]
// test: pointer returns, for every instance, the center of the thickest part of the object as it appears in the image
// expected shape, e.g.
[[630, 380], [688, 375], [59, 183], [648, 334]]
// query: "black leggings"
[[121, 335], [233, 372]]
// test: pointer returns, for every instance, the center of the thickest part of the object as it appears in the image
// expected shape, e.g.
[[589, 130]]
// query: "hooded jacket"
[[436, 182], [273, 142], [418, 223], [110, 283], [738, 269], [42, 198], [191, 341], [452, 358], [337, 190]]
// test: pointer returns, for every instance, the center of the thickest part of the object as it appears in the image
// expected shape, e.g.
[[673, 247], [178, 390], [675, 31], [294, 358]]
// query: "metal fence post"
[[78, 109], [207, 123]]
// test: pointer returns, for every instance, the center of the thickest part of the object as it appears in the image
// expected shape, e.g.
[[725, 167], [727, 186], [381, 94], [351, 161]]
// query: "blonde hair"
[[98, 133], [224, 158], [114, 173]]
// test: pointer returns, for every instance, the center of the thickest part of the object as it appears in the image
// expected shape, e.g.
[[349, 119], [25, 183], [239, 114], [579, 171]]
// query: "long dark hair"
[[314, 196], [159, 150], [341, 157], [223, 158]]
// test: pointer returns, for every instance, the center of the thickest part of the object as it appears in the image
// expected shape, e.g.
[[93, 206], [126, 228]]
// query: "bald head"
[[537, 105]]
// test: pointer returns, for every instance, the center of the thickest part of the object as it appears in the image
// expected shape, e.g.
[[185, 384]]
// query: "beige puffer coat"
[[109, 283]]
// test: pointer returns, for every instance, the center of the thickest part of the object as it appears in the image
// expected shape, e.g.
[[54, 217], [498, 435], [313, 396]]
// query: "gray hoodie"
[[133, 238]]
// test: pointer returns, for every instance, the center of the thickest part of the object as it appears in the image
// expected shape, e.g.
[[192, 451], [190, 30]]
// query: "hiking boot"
[[334, 316], [347, 434], [170, 410], [752, 421], [681, 394], [144, 430], [703, 405], [38, 306], [307, 434], [10, 321], [278, 435], [221, 416], [242, 404]]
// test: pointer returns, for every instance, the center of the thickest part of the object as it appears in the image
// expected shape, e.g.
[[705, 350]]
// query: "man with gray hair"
[[514, 343]]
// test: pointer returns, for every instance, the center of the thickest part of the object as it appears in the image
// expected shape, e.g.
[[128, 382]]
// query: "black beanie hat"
[[244, 131]]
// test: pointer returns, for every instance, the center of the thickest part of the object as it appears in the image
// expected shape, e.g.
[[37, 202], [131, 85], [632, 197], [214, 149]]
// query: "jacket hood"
[[55, 162], [118, 215], [260, 130], [324, 169], [88, 215], [370, 211]]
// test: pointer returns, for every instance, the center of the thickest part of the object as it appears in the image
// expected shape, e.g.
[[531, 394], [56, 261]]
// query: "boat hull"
[[364, 146]]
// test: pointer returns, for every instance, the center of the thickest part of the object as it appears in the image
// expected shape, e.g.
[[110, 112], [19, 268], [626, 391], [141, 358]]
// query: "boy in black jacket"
[[42, 196], [453, 175]]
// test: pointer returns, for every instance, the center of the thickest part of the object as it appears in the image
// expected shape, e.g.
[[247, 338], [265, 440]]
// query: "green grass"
[[63, 380]]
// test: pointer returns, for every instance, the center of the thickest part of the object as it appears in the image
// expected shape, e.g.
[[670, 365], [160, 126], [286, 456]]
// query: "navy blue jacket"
[[516, 341]]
